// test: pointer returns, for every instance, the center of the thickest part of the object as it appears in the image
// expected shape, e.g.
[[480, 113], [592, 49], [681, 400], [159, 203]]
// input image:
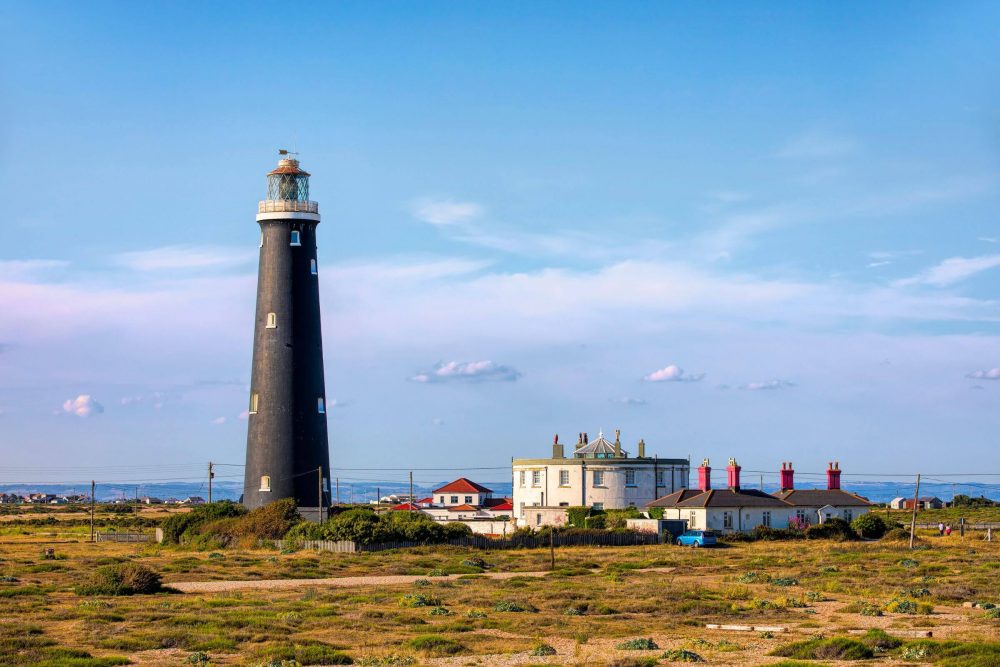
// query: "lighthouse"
[[287, 450]]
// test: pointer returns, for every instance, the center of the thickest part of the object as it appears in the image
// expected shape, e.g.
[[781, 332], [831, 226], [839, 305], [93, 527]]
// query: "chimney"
[[705, 476], [557, 449], [734, 475], [579, 439], [618, 443], [833, 476], [787, 476], [586, 439], [642, 449]]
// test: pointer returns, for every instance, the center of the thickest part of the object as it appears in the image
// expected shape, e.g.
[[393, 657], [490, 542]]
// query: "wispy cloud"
[[952, 270], [445, 211], [988, 374], [629, 400], [83, 405], [768, 385], [186, 257], [468, 371], [218, 421], [672, 373]]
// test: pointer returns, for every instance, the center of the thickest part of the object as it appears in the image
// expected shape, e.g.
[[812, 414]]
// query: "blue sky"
[[767, 232]]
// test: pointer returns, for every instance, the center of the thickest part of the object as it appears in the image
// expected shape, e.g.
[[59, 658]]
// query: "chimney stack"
[[586, 439], [833, 476], [705, 476], [734, 475], [557, 449], [787, 476], [642, 449], [618, 443]]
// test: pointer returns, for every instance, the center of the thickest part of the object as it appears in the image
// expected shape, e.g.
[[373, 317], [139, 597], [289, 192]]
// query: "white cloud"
[[989, 239], [989, 374], [218, 421], [185, 257], [951, 271], [629, 400], [468, 371], [83, 405], [768, 385], [245, 415], [445, 211], [437, 421], [672, 373]]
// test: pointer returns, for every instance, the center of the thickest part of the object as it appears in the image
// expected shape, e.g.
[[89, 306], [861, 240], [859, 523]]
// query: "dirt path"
[[341, 582]]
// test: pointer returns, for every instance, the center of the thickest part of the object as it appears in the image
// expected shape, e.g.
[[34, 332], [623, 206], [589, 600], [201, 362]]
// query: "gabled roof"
[[671, 499], [719, 498], [505, 506], [425, 501], [494, 503], [463, 485], [405, 507], [820, 497]]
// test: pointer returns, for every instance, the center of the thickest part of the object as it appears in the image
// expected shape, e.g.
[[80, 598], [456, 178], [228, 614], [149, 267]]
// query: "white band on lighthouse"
[[288, 216]]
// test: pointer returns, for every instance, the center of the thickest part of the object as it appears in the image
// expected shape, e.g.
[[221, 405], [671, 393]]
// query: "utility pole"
[[411, 490], [211, 474], [319, 487], [92, 485], [913, 517]]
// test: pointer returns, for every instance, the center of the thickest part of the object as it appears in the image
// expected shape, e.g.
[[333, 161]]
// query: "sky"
[[757, 231]]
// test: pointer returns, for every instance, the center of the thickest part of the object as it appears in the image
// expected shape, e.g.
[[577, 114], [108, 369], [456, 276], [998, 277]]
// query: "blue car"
[[697, 538]]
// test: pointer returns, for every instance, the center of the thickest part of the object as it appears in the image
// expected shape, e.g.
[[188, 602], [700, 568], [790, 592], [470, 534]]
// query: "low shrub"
[[831, 529], [908, 606], [879, 640], [121, 579], [641, 644], [784, 581], [681, 655], [177, 525], [542, 649], [508, 605], [871, 526], [836, 648], [435, 645], [897, 535]]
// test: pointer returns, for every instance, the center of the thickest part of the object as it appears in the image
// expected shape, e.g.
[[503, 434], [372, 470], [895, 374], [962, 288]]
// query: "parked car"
[[697, 538]]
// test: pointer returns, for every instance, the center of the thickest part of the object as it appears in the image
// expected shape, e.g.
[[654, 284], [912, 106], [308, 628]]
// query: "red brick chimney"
[[833, 476], [734, 475], [787, 476], [705, 476]]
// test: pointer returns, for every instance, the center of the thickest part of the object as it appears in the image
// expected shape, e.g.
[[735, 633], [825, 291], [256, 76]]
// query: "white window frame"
[[254, 402], [265, 483], [564, 478], [692, 519], [295, 238], [598, 478], [321, 405], [536, 477], [727, 520], [442, 500], [598, 506], [468, 500], [272, 321], [766, 518], [454, 500], [522, 478], [630, 478]]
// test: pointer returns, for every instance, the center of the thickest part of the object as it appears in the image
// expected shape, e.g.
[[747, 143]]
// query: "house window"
[[521, 513], [536, 477], [468, 499], [296, 238], [848, 516], [598, 478], [692, 516], [441, 500], [598, 506], [254, 402], [766, 519], [262, 239], [521, 475], [659, 478], [312, 267], [629, 478], [727, 520], [265, 482], [321, 406], [563, 504], [800, 516], [564, 478], [272, 321], [454, 500], [538, 519]]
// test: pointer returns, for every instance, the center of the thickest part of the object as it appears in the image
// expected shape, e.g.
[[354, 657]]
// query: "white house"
[[598, 474], [817, 505], [467, 502]]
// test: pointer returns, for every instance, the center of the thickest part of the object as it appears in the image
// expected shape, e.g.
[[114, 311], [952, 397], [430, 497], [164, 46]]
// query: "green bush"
[[836, 648], [681, 655], [435, 645], [641, 644], [542, 649], [175, 526], [831, 529], [871, 525], [270, 522], [121, 579], [880, 640]]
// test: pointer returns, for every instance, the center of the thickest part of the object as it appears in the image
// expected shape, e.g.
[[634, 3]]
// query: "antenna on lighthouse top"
[[285, 151]]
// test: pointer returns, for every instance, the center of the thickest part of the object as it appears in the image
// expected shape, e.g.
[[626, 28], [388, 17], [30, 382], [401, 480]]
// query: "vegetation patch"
[[121, 579], [542, 649], [836, 648], [435, 645], [640, 644], [681, 655]]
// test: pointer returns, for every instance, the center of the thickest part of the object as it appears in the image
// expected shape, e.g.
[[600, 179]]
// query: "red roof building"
[[463, 485]]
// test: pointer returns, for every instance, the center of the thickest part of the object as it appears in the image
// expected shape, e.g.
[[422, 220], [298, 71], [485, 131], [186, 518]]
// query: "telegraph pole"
[[92, 485], [211, 474], [411, 491], [913, 517]]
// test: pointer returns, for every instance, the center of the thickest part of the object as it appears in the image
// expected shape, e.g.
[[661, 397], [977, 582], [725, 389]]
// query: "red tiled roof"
[[427, 501], [491, 503], [404, 507], [463, 485], [462, 508], [505, 506]]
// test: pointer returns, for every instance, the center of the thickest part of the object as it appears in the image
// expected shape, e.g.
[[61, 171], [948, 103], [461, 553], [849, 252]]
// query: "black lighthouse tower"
[[287, 451]]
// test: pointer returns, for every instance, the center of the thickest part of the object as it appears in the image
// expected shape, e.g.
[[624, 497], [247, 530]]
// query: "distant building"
[[924, 503], [467, 502], [598, 474], [897, 503], [150, 500], [192, 500]]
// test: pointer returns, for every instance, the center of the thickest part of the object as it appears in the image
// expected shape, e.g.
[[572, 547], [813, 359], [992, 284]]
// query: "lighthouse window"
[[296, 237], [312, 267], [262, 239], [265, 482], [321, 406], [272, 321], [254, 401]]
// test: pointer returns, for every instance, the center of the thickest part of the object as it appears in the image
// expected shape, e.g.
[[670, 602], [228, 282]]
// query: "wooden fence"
[[485, 543], [124, 537]]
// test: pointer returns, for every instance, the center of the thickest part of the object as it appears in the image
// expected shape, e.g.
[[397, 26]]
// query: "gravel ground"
[[344, 582]]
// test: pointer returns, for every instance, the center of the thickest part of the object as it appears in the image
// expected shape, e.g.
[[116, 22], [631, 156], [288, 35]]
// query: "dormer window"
[[296, 238], [272, 321]]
